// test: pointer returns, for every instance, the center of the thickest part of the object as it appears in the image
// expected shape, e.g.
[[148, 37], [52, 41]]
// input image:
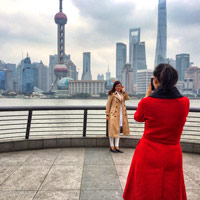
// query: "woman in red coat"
[[156, 171]]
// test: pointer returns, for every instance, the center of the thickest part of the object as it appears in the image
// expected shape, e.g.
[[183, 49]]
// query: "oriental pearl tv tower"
[[60, 70]]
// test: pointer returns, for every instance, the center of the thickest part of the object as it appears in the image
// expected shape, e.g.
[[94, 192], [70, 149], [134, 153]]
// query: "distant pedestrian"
[[116, 115], [156, 171]]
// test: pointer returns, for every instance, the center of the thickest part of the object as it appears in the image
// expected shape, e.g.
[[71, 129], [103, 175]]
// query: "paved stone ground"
[[76, 174]]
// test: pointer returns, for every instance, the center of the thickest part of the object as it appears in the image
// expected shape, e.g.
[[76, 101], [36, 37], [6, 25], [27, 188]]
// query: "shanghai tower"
[[161, 45]]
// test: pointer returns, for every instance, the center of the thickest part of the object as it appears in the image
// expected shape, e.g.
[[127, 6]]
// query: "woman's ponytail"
[[168, 77]]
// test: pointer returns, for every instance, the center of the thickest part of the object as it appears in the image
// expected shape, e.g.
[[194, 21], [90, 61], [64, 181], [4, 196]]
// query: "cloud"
[[96, 26], [184, 29], [22, 28], [184, 13]]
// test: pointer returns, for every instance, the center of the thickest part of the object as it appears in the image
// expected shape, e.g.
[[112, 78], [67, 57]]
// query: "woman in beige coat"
[[116, 115]]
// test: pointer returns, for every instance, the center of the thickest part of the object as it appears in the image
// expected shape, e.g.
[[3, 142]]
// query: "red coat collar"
[[162, 93]]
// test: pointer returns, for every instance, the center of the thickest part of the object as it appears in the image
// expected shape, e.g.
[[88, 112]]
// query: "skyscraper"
[[143, 79], [161, 45], [27, 76], [10, 76], [41, 76], [100, 77], [137, 52], [26, 73], [86, 75], [120, 59], [2, 79], [182, 63], [139, 56], [108, 75], [127, 78], [134, 38]]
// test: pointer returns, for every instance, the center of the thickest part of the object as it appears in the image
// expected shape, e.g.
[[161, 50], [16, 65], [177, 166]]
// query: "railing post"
[[28, 127], [85, 123], [106, 128]]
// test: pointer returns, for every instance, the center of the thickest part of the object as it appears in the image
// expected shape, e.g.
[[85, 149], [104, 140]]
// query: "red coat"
[[156, 171]]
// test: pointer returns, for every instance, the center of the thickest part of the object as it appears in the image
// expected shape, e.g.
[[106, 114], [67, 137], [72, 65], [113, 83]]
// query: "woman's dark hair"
[[166, 75], [113, 88]]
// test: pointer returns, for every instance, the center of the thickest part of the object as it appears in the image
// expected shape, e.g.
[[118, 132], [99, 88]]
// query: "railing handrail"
[[74, 107], [84, 116]]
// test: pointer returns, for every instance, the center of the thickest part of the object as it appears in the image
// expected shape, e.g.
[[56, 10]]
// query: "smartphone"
[[152, 85]]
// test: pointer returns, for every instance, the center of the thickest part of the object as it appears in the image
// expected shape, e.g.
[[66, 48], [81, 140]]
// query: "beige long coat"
[[113, 111]]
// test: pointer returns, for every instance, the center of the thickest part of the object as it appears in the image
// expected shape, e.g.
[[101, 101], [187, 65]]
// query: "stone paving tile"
[[58, 195], [14, 158], [99, 172], [101, 183], [98, 156], [101, 195], [71, 156], [122, 171], [123, 158], [17, 195], [96, 172], [193, 194], [100, 177], [191, 159], [6, 171], [194, 173], [42, 157], [63, 177], [190, 183], [26, 178]]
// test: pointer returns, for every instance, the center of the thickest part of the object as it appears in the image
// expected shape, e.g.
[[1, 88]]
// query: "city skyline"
[[29, 27]]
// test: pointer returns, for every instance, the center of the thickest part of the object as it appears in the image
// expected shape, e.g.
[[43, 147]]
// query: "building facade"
[[194, 74], [92, 87], [2, 80], [100, 77], [143, 80], [127, 78], [182, 63], [10, 76], [188, 85], [120, 59], [86, 75], [52, 63]]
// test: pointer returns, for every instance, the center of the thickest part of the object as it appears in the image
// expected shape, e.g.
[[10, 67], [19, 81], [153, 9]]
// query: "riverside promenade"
[[86, 173]]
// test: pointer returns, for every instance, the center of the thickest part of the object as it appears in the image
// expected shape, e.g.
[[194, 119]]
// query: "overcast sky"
[[95, 26]]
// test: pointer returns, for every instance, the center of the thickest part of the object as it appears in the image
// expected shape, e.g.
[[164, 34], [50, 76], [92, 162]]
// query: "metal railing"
[[57, 121]]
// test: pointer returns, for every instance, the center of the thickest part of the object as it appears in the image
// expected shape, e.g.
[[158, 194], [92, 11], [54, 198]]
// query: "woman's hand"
[[107, 118], [149, 91], [123, 89]]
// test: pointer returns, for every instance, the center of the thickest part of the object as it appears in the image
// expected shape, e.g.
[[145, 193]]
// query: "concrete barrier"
[[64, 142]]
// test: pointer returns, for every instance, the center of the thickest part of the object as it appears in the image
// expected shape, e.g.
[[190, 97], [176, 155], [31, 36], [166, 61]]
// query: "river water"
[[69, 102]]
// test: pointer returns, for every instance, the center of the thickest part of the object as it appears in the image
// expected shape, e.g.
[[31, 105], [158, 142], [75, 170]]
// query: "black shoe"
[[113, 150], [119, 151]]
